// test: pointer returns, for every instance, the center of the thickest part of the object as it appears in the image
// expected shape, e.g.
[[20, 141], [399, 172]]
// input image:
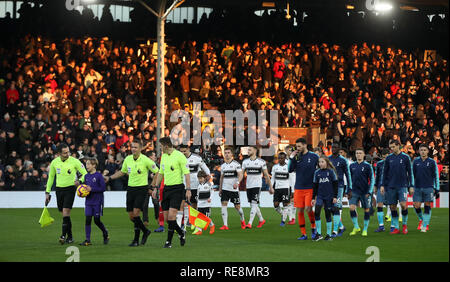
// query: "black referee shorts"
[[136, 197], [172, 196], [65, 197]]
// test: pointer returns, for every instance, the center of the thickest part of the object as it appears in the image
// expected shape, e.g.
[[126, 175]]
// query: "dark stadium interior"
[[89, 79]]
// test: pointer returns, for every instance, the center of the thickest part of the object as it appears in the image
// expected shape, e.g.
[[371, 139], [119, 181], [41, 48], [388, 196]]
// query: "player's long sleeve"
[[272, 179], [372, 180], [292, 164], [410, 173], [348, 175], [51, 178], [80, 168], [205, 168], [384, 173], [436, 177]]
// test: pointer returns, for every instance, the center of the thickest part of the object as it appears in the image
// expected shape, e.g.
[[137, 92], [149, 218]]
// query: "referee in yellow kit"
[[64, 168], [173, 168], [137, 166]]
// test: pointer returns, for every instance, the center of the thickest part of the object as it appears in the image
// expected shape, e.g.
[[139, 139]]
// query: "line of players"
[[333, 178]]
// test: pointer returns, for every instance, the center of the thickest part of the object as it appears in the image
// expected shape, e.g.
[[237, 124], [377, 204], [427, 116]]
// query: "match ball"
[[82, 191]]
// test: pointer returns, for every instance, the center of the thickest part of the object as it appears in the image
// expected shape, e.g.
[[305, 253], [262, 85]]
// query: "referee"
[[173, 167], [64, 168], [137, 166]]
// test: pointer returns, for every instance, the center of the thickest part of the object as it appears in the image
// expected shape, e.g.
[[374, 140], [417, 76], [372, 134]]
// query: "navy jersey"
[[397, 171], [378, 173], [426, 173], [342, 168], [362, 178], [304, 167], [97, 184], [326, 182]]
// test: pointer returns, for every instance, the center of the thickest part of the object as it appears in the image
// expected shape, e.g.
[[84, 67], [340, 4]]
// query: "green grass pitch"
[[23, 240]]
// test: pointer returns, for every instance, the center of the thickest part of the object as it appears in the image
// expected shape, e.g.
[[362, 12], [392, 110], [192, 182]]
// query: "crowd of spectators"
[[97, 95]]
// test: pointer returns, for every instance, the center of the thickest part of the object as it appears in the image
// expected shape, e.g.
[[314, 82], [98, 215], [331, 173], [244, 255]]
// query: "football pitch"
[[23, 240]]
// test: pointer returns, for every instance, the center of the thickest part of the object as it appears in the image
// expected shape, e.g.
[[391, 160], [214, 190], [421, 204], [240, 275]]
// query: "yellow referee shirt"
[[173, 167], [137, 170]]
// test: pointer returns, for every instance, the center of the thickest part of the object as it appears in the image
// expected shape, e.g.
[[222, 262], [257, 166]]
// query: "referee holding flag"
[[137, 166], [64, 168], [173, 168]]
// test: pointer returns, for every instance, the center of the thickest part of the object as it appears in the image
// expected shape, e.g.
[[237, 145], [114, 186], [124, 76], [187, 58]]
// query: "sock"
[[87, 228], [186, 215], [278, 210], [137, 231], [69, 228], [341, 225], [354, 217], [241, 214], [405, 216], [329, 227], [284, 214], [138, 222], [65, 225], [161, 217], [419, 214], [400, 215], [179, 217], [258, 212], [394, 215], [100, 225], [380, 216], [312, 219], [291, 211], [319, 226], [170, 230], [426, 216], [225, 215], [336, 222], [388, 213], [252, 212], [366, 220], [301, 222]]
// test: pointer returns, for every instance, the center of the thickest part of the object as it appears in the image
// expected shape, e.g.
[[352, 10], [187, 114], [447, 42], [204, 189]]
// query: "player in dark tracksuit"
[[362, 188], [94, 201], [397, 177], [426, 186]]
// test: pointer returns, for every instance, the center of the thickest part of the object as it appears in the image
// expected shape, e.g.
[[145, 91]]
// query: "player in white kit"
[[291, 209], [230, 177], [255, 168], [280, 182]]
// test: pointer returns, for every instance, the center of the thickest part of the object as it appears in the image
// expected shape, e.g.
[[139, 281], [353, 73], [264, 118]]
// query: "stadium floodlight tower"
[[161, 16]]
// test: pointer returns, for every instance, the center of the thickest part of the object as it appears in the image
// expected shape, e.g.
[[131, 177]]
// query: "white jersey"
[[280, 176], [195, 163], [254, 169], [230, 175], [204, 193]]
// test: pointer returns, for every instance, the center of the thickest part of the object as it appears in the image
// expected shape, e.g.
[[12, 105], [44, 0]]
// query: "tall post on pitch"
[[161, 16], [160, 79]]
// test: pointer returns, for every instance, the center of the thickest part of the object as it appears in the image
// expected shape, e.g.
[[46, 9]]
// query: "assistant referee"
[[64, 168], [173, 168], [137, 166]]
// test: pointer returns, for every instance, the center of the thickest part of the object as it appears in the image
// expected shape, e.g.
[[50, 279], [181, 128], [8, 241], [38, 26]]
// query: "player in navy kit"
[[342, 167], [325, 192], [397, 177], [362, 188], [426, 186], [94, 201]]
